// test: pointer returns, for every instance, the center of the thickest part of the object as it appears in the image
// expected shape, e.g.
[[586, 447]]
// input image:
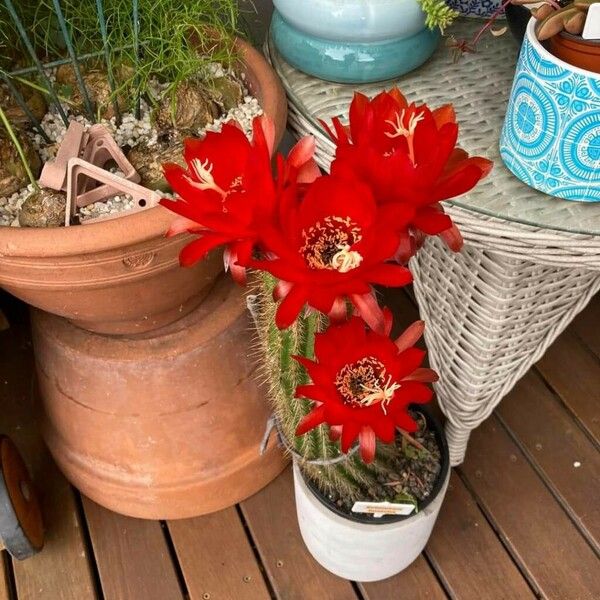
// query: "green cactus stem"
[[349, 477]]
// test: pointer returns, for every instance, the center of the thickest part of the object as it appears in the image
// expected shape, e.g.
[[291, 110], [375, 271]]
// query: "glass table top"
[[478, 85]]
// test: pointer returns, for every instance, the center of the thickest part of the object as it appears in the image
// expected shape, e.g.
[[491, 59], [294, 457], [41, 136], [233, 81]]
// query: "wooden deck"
[[521, 518]]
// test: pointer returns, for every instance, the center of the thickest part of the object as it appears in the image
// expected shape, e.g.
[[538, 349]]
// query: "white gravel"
[[130, 132]]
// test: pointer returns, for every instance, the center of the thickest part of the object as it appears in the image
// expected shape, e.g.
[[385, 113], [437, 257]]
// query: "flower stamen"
[[366, 383], [382, 393], [345, 259], [408, 132], [203, 171], [328, 243]]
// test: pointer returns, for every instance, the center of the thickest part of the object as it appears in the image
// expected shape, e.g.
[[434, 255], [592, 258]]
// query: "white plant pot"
[[362, 551]]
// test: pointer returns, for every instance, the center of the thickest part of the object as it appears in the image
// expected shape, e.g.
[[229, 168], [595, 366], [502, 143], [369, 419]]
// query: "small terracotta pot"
[[121, 276], [576, 51], [166, 425]]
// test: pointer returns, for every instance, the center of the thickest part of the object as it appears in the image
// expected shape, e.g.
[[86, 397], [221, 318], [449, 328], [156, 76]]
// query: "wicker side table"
[[530, 262]]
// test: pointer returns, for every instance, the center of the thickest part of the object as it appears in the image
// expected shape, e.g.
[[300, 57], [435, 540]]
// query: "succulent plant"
[[438, 14], [554, 17]]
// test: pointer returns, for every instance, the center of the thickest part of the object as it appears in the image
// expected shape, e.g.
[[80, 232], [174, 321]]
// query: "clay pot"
[[160, 426], [576, 51], [121, 276]]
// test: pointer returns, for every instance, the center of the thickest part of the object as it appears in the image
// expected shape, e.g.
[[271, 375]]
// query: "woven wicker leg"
[[489, 318]]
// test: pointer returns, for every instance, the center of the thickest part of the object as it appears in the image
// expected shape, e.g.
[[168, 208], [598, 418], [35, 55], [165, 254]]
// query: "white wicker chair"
[[530, 262]]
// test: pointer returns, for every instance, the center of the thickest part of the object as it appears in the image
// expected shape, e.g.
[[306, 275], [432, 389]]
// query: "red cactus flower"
[[332, 245], [408, 155], [363, 383], [228, 192]]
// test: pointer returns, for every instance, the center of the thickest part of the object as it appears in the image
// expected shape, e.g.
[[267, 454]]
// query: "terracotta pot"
[[121, 276], [576, 51], [165, 425]]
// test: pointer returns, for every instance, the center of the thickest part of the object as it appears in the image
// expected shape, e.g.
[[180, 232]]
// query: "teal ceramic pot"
[[353, 20], [353, 41]]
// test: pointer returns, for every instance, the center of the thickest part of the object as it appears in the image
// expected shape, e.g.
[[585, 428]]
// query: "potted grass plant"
[[358, 40], [370, 462], [151, 73]]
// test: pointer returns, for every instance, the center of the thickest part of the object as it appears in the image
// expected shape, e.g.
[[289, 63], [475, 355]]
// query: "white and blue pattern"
[[475, 8], [551, 134]]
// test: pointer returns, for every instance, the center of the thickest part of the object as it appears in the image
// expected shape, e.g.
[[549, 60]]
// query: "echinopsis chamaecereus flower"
[[407, 154], [332, 244], [227, 193], [363, 383]]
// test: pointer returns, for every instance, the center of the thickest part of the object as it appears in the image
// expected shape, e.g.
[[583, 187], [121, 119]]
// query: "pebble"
[[130, 132]]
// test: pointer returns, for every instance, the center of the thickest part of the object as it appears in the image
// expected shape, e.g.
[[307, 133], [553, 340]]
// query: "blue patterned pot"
[[551, 134], [475, 8], [354, 41]]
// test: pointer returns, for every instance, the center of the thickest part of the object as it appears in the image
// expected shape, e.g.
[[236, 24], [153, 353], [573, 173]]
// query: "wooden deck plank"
[[587, 325], [216, 557], [417, 582], [558, 560], [468, 556], [294, 574], [574, 373], [62, 569], [4, 583], [567, 458], [132, 556]]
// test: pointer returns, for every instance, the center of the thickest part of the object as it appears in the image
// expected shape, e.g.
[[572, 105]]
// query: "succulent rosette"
[[407, 154], [331, 245], [363, 384], [228, 193]]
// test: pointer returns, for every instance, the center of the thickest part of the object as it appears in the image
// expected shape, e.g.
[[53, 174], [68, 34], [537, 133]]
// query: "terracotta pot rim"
[[146, 225], [222, 292], [577, 40], [547, 55]]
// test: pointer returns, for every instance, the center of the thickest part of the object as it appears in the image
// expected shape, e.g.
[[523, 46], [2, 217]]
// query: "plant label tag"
[[378, 509], [591, 31]]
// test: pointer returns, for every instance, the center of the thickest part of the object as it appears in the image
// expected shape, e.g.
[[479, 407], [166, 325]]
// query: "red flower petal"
[[199, 248], [368, 444], [411, 335], [370, 311], [453, 238], [423, 375], [335, 433], [290, 307], [385, 430], [350, 432], [313, 419], [432, 221], [390, 275]]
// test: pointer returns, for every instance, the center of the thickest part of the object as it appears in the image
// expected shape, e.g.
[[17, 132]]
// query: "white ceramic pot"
[[362, 551], [354, 20]]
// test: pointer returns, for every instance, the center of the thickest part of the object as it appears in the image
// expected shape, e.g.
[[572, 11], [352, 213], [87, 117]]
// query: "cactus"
[[350, 477]]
